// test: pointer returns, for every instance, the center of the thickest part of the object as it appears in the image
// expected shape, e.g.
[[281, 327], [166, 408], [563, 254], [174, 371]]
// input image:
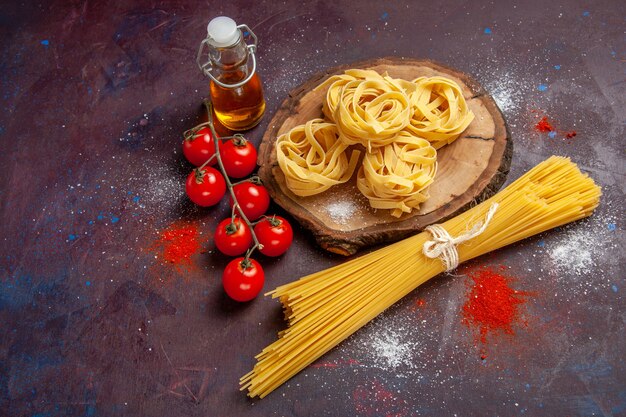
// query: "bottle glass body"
[[238, 108]]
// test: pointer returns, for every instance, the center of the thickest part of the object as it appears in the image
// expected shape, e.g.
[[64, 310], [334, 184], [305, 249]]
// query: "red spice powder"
[[179, 243], [419, 303], [544, 125], [492, 306]]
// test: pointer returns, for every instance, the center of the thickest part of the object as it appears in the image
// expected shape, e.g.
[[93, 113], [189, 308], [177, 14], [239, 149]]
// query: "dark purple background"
[[95, 96]]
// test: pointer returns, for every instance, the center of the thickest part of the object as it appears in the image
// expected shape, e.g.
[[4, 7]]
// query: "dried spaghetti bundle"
[[326, 307]]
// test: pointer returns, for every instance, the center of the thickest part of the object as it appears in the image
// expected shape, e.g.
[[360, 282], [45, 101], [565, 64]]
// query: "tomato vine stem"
[[216, 139]]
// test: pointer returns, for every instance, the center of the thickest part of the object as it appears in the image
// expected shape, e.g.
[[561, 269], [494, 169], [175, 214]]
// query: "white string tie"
[[444, 246]]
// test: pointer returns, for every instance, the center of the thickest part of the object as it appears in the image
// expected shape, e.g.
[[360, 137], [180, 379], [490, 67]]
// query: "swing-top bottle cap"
[[223, 32]]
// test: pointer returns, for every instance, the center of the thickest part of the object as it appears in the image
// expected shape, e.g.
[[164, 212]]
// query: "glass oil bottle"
[[236, 90]]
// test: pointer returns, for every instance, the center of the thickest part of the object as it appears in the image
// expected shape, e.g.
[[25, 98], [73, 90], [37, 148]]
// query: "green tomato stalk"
[[236, 207]]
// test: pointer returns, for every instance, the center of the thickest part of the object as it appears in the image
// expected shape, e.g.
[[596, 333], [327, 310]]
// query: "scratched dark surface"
[[95, 96]]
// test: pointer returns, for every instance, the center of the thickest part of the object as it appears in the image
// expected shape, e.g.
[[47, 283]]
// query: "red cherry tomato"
[[238, 156], [199, 148], [233, 238], [205, 186], [275, 234], [243, 280], [253, 199]]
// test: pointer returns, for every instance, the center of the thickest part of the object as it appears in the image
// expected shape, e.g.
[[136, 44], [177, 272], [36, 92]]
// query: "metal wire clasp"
[[207, 67]]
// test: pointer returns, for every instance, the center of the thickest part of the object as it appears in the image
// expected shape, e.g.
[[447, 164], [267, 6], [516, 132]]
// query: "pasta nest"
[[368, 108], [400, 123], [396, 177], [313, 159], [440, 112]]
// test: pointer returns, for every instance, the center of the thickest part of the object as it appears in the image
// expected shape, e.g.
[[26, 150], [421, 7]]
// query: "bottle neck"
[[230, 63]]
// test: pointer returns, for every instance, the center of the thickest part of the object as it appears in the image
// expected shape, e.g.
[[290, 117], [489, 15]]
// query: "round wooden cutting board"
[[471, 169]]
